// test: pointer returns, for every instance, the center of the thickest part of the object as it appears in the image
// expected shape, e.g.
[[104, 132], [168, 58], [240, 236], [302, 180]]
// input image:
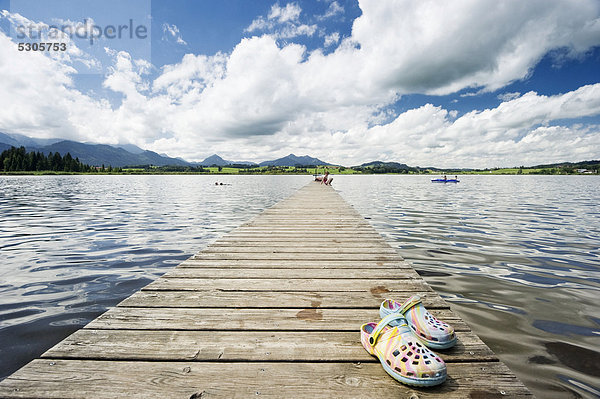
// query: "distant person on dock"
[[444, 178], [317, 177], [326, 179]]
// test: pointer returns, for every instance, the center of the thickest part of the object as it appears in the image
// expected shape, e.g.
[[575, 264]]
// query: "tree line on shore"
[[19, 160]]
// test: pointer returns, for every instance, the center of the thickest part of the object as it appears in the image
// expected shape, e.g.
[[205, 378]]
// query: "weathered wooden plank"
[[309, 319], [261, 225], [290, 284], [305, 233], [299, 224], [305, 237], [117, 379], [330, 224], [305, 230], [267, 299], [299, 250], [307, 242], [335, 205], [353, 220], [297, 256], [313, 346], [331, 221], [282, 215], [321, 233], [289, 264], [295, 211], [302, 241], [207, 273]]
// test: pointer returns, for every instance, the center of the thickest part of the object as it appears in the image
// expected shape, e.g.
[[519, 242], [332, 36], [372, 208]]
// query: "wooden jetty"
[[272, 309]]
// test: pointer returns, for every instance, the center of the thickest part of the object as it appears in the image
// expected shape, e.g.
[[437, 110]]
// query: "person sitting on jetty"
[[326, 179]]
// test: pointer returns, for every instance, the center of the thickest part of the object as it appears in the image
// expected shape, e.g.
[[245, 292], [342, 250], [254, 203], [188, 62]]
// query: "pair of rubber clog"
[[401, 340]]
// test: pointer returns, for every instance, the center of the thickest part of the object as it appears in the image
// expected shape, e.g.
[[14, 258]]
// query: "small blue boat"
[[445, 180]]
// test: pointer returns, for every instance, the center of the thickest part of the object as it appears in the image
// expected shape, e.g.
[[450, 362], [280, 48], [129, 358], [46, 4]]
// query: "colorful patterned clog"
[[401, 354], [432, 332]]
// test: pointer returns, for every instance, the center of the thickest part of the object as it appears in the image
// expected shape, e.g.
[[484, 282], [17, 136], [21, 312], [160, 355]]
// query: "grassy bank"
[[288, 170]]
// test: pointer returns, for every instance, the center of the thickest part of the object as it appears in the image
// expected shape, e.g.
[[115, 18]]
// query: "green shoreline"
[[17, 161], [310, 171]]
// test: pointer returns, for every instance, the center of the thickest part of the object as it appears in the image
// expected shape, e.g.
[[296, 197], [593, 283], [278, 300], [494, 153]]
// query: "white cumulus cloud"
[[291, 12], [509, 96], [172, 32], [333, 10], [331, 39], [282, 22]]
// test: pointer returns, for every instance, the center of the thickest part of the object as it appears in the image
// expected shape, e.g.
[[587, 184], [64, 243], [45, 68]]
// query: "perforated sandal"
[[401, 354], [432, 332]]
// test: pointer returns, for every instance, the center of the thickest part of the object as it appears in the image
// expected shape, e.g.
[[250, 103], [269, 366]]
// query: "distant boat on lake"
[[445, 181]]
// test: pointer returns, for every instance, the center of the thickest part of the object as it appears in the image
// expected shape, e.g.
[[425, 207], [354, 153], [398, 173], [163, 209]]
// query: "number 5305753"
[[42, 46]]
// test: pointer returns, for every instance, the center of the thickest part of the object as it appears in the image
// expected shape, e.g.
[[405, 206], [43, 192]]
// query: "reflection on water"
[[575, 357], [71, 246], [518, 257]]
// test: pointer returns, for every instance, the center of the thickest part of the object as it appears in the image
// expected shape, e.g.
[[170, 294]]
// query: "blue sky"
[[419, 82], [214, 26]]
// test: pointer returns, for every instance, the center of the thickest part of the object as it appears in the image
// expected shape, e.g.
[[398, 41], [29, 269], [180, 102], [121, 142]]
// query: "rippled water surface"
[[71, 246], [517, 256]]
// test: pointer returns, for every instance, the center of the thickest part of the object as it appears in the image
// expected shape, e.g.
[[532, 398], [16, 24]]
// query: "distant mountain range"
[[293, 160], [394, 165], [215, 160], [18, 140], [99, 154], [290, 160], [131, 155], [91, 154], [4, 147]]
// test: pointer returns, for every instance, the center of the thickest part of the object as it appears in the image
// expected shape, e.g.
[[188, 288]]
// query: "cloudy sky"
[[464, 83]]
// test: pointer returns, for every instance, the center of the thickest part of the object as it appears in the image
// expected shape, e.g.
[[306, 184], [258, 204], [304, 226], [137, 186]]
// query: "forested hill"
[[19, 160]]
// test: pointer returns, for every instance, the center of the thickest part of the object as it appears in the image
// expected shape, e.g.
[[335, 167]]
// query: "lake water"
[[518, 257]]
